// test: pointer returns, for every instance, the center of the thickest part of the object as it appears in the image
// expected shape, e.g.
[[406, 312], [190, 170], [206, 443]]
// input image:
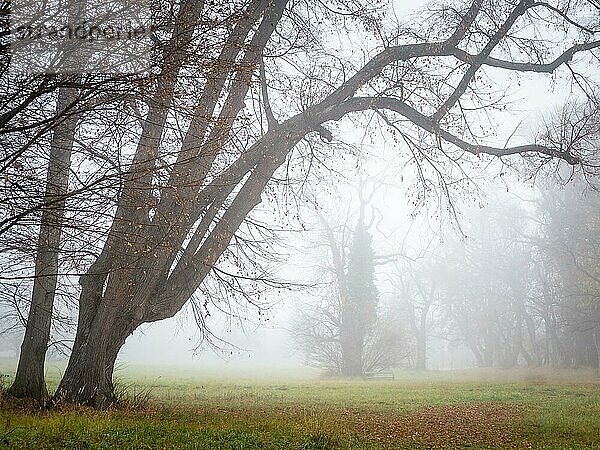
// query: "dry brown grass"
[[483, 424]]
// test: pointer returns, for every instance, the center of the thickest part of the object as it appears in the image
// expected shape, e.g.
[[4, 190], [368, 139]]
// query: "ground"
[[236, 410]]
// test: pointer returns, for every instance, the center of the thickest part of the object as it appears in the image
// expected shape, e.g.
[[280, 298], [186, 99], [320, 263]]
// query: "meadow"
[[196, 409]]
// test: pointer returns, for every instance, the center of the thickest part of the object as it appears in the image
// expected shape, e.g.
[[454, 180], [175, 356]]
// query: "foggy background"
[[266, 344]]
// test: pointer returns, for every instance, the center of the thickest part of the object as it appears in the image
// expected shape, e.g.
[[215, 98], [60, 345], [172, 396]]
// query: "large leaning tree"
[[255, 79]]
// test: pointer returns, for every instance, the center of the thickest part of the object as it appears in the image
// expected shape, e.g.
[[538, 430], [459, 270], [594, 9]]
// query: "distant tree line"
[[521, 288], [518, 286]]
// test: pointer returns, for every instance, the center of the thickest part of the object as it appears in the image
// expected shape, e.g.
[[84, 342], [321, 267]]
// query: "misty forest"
[[303, 224]]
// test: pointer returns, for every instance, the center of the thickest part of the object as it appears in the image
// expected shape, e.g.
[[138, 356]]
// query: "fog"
[[378, 241], [268, 346]]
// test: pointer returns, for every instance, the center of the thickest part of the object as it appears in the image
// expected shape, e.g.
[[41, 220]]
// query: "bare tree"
[[488, 285], [160, 248], [203, 157], [417, 287], [348, 332], [568, 255], [29, 380], [520, 289]]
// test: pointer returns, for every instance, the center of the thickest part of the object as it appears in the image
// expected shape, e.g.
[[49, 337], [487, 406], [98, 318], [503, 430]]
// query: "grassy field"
[[236, 410]]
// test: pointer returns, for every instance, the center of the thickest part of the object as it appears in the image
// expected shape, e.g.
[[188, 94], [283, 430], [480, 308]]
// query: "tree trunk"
[[352, 349], [29, 380], [535, 345], [421, 363], [351, 339], [560, 355], [519, 346], [421, 333], [489, 353], [597, 345], [475, 350], [549, 356], [88, 377]]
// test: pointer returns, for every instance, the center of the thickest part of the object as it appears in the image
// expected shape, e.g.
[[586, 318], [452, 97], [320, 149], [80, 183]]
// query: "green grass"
[[474, 409]]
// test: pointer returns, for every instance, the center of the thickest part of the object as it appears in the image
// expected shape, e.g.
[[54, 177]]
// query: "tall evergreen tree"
[[359, 308]]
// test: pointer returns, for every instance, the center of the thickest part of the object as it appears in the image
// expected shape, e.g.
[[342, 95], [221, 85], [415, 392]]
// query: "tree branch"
[[478, 60], [550, 67], [567, 18], [428, 124], [271, 121]]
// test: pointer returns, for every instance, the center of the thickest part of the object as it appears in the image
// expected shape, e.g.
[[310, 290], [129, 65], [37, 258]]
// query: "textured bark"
[[88, 377], [29, 380]]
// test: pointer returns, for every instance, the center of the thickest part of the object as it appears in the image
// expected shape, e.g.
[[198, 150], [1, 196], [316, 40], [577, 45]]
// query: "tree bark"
[[88, 377], [29, 380]]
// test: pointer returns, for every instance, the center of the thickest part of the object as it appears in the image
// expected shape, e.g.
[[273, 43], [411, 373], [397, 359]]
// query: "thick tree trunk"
[[352, 349], [29, 380], [88, 377], [351, 340]]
